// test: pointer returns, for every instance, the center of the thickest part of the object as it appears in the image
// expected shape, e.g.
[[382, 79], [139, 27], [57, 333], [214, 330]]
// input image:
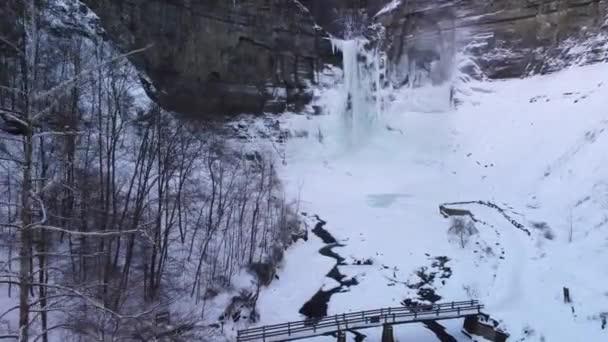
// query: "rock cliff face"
[[220, 56], [235, 56], [338, 17], [507, 38]]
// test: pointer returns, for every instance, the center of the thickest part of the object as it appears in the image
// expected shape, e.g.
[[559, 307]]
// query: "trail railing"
[[359, 320]]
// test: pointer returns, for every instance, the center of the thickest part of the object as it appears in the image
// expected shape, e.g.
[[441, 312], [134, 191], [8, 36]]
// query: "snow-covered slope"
[[531, 151]]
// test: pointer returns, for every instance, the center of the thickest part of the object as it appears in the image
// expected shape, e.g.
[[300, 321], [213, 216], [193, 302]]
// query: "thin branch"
[[91, 301], [6, 136], [60, 325], [42, 208], [53, 91], [12, 89], [100, 234], [34, 303], [13, 160], [8, 114], [61, 255], [12, 45], [55, 133]]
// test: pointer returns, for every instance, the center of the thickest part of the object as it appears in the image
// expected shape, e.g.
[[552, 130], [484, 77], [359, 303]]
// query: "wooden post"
[[341, 336], [163, 317], [387, 333], [567, 298]]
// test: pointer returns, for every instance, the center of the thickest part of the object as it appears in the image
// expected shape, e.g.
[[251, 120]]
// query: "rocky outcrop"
[[219, 56], [235, 56], [506, 38], [342, 17]]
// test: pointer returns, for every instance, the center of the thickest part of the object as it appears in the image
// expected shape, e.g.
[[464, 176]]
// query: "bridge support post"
[[387, 333], [341, 336]]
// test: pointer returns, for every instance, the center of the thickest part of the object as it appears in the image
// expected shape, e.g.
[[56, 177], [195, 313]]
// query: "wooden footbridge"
[[339, 324]]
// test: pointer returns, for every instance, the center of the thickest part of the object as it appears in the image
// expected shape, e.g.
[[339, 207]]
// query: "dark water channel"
[[316, 307]]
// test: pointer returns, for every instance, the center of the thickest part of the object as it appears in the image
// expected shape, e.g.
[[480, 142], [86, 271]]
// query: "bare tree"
[[462, 229], [111, 211], [29, 126]]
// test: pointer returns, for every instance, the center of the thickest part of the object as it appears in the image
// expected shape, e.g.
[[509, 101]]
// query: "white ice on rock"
[[536, 147], [391, 6]]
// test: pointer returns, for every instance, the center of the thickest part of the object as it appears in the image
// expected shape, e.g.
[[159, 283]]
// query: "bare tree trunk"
[[26, 240], [42, 279], [29, 29], [12, 240], [254, 219], [40, 243]]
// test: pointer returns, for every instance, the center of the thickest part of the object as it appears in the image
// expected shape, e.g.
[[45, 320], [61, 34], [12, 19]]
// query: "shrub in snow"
[[545, 230], [461, 230]]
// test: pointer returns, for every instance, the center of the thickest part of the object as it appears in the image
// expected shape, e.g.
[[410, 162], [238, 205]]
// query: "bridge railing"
[[361, 319]]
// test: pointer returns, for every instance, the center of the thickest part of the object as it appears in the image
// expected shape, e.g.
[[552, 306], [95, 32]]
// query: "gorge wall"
[[220, 56], [506, 38], [228, 57]]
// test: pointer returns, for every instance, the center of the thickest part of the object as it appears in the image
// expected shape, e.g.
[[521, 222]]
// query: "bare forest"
[[116, 217]]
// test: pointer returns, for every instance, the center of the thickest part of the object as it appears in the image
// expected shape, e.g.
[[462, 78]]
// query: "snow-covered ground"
[[535, 148]]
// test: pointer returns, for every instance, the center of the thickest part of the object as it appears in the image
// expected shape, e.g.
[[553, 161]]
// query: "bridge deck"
[[359, 320]]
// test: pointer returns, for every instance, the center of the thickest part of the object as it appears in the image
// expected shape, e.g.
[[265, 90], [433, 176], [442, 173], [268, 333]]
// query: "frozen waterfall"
[[362, 91]]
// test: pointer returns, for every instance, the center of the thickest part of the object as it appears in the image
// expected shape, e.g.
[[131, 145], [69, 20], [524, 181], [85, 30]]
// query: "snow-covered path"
[[535, 147]]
